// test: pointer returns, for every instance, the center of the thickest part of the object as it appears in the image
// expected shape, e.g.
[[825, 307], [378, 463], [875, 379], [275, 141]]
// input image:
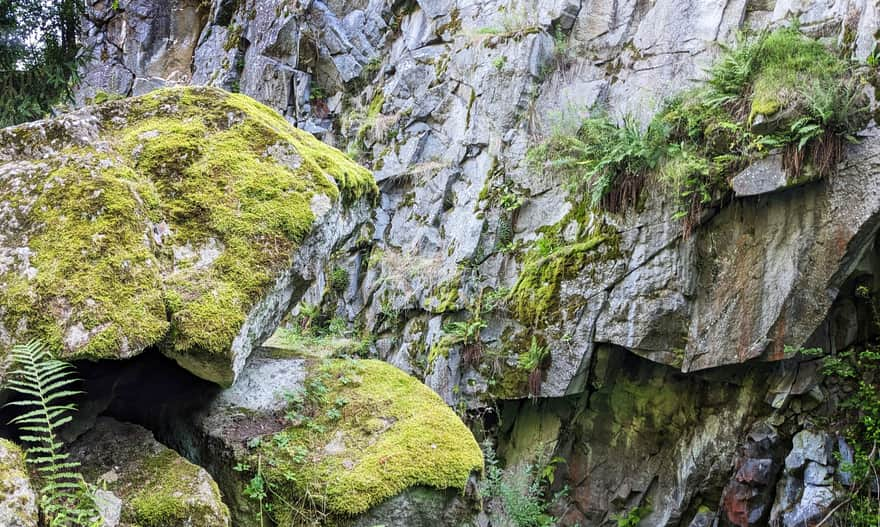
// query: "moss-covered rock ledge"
[[329, 440], [188, 218]]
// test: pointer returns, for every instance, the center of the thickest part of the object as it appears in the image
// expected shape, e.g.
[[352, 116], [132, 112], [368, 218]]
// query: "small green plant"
[[499, 62], [44, 384], [533, 361], [515, 497], [630, 518], [255, 488], [465, 333], [339, 280]]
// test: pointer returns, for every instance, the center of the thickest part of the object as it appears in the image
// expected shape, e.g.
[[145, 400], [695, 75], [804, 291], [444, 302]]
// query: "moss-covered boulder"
[[157, 487], [187, 219], [18, 500], [330, 440]]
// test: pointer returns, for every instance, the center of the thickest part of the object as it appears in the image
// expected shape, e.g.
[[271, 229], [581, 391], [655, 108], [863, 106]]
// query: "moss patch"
[[364, 432], [535, 297], [163, 495], [167, 228]]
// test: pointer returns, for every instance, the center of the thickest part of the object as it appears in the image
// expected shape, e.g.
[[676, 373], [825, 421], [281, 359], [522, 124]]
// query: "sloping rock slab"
[[188, 218], [156, 486], [771, 267]]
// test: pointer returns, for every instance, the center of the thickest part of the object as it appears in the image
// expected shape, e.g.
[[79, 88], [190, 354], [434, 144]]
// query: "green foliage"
[[339, 280], [630, 518], [703, 137], [857, 370], [44, 383], [465, 333], [608, 161], [515, 498], [534, 357], [38, 56]]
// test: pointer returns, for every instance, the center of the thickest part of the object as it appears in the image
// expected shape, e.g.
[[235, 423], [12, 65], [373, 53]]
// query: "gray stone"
[[127, 462], [18, 499], [812, 506], [761, 177], [808, 446], [703, 519], [418, 507], [817, 474], [109, 506]]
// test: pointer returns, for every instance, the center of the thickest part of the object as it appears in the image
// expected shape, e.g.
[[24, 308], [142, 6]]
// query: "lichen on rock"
[[161, 220]]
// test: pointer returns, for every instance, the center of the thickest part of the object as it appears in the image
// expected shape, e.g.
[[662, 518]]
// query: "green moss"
[[101, 97], [786, 61], [178, 171], [445, 297], [89, 251], [234, 37], [165, 484], [392, 433], [289, 343], [12, 466], [534, 299]]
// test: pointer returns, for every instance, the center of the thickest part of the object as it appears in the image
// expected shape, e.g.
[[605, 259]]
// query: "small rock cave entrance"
[[138, 390]]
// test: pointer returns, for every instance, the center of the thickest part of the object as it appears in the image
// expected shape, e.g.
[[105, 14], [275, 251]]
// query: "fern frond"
[[44, 382]]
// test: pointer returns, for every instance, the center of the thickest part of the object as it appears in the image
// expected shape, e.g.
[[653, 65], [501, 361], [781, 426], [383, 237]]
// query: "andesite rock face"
[[672, 387]]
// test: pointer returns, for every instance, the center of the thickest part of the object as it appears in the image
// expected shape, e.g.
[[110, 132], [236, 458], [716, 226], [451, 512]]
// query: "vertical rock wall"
[[650, 401]]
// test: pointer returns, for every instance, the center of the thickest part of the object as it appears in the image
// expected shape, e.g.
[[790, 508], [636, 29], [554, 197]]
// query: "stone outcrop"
[[673, 384], [145, 483], [187, 219], [18, 499], [340, 440]]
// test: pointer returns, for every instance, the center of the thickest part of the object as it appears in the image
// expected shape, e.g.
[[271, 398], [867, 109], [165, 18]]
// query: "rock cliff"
[[660, 358]]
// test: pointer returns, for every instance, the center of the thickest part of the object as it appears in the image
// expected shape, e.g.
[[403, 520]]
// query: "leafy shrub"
[[44, 382], [610, 162], [858, 372], [702, 138], [339, 280], [514, 498]]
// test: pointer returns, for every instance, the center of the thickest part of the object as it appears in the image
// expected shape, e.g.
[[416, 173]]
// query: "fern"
[[44, 382]]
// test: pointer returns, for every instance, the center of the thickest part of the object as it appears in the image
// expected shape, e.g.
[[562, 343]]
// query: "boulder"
[[18, 500], [762, 176], [188, 219], [334, 437], [144, 483]]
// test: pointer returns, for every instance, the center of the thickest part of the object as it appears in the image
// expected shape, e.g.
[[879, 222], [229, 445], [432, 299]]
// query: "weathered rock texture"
[[187, 219], [442, 100], [154, 484], [18, 500]]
